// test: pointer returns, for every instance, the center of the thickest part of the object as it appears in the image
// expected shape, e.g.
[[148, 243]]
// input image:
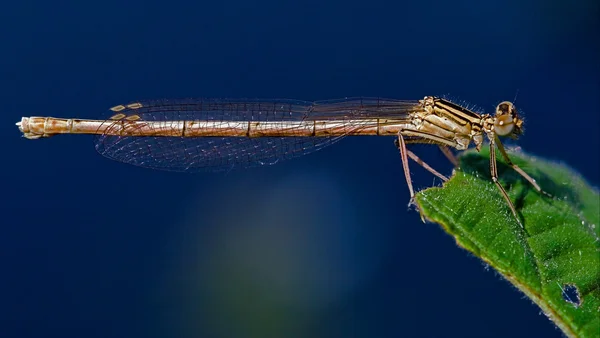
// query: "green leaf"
[[554, 259]]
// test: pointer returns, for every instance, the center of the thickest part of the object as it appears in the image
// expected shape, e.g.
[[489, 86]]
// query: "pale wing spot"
[[136, 105], [133, 118], [118, 108], [117, 116]]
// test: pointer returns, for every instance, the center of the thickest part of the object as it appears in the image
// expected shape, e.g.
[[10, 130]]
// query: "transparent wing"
[[191, 154]]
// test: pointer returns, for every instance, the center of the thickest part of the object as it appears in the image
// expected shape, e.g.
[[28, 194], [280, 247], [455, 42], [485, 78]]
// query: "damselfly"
[[216, 134]]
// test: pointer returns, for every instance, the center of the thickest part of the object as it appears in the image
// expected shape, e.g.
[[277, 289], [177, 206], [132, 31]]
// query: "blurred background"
[[320, 246]]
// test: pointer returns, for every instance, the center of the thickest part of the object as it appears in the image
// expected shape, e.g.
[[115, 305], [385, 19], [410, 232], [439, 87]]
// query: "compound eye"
[[504, 125], [506, 108]]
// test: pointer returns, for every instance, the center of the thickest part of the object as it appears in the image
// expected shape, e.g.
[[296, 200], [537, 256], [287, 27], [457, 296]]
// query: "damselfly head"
[[507, 121]]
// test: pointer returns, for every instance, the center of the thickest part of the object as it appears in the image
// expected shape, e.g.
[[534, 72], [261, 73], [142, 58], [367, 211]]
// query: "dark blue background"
[[321, 246]]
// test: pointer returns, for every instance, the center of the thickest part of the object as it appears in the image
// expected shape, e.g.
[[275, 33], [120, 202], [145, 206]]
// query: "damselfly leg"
[[449, 155], [400, 143]]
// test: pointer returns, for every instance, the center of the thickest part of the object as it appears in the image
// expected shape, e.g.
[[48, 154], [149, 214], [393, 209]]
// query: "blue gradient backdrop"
[[321, 246]]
